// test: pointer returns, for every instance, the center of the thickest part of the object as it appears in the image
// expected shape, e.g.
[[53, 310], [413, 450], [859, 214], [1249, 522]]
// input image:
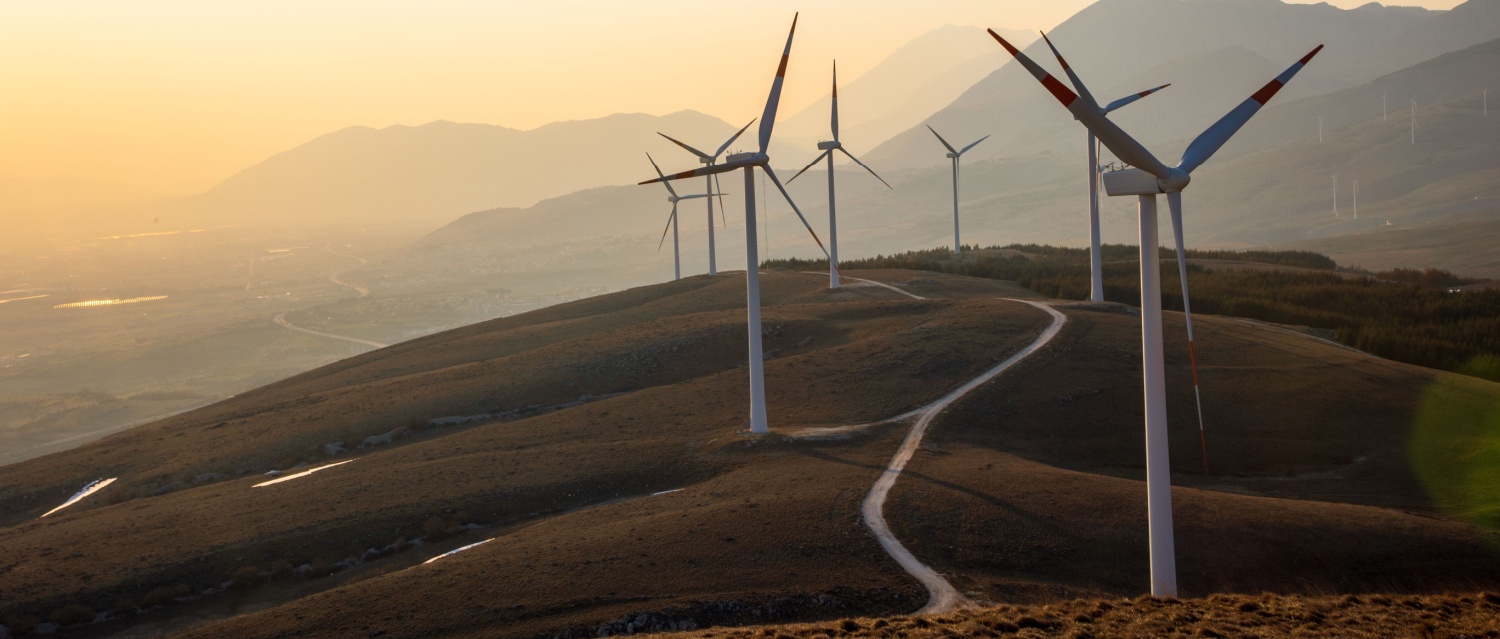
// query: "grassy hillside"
[[597, 446], [1402, 320]]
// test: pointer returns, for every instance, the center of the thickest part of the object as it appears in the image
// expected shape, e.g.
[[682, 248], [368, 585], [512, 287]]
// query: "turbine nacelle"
[[952, 155], [829, 145], [748, 157], [1133, 181]]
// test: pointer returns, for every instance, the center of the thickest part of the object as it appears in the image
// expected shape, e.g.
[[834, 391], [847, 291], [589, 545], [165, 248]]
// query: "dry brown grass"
[[1264, 616]]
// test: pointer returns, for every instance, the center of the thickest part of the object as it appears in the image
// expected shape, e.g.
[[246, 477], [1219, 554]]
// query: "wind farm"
[[435, 380]]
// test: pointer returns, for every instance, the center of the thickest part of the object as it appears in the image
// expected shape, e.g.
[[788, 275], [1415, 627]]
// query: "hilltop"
[[596, 443]]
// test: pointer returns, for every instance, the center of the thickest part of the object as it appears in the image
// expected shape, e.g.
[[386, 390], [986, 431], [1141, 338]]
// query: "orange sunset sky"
[[172, 96]]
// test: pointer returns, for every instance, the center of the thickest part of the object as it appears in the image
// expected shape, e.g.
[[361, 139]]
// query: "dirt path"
[[334, 276], [942, 596], [280, 320]]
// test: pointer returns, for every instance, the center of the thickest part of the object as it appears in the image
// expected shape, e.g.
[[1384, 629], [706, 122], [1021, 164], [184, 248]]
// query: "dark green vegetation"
[[1404, 314]]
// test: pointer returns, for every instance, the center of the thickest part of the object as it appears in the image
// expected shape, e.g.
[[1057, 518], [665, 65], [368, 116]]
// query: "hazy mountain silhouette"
[[1270, 186], [435, 172], [915, 81], [1103, 43]]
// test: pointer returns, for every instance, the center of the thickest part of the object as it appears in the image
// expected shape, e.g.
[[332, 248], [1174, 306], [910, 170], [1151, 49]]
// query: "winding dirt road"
[[942, 596], [334, 276]]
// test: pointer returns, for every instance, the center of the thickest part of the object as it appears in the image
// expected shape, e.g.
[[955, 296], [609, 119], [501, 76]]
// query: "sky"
[[171, 96]]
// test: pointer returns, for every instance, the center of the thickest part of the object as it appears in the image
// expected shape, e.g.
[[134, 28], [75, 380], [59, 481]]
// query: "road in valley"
[[280, 320]]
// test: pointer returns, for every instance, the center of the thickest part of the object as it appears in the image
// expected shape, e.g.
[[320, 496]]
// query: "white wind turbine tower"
[[1335, 196], [1356, 199], [1149, 178], [954, 155], [711, 186], [749, 162], [674, 198], [1096, 258], [828, 148], [1413, 120]]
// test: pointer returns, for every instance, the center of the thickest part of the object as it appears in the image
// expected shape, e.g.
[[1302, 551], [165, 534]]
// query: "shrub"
[[124, 606], [71, 615], [245, 577]]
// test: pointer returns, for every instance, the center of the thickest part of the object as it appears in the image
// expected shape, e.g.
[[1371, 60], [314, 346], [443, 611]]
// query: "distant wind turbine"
[[749, 162], [1148, 178], [828, 148], [710, 187], [955, 155], [674, 198], [1413, 120], [1320, 129], [1096, 258], [1356, 199], [1335, 195]]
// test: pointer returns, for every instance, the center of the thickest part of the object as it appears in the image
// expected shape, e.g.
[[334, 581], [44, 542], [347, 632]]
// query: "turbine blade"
[[768, 117], [834, 124], [1174, 204], [1083, 91], [973, 144], [872, 171], [1215, 136], [779, 187], [732, 138], [1110, 134], [720, 188], [1130, 99], [940, 139], [700, 172], [670, 218], [692, 150], [810, 165], [659, 174]]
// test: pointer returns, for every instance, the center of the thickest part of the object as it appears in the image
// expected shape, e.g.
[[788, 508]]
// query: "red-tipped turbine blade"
[[731, 139], [700, 172], [1215, 136], [1090, 116], [692, 150], [1083, 91], [768, 117], [872, 171], [1174, 205], [834, 121], [1130, 99], [940, 139], [788, 196], [810, 165], [659, 174]]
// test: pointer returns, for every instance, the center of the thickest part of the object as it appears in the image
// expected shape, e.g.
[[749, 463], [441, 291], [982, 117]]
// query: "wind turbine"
[[955, 155], [1356, 199], [674, 198], [711, 187], [1148, 178], [1096, 259], [828, 148], [749, 161], [1335, 196]]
